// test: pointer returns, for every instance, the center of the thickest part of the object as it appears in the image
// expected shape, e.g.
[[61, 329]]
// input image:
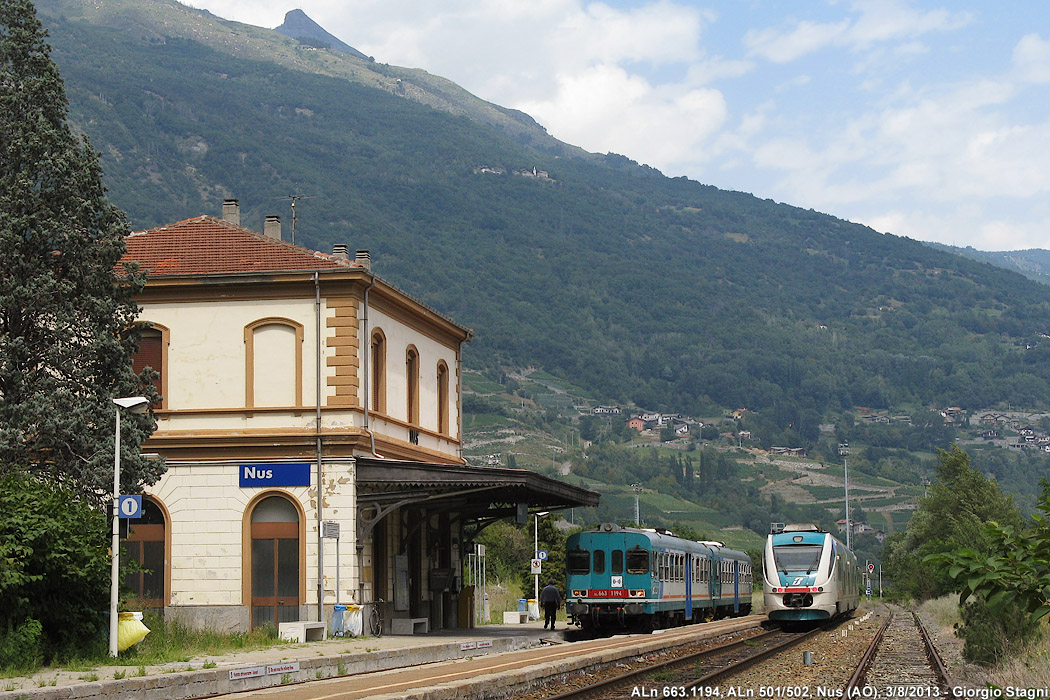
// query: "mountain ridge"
[[300, 27], [662, 292], [162, 19]]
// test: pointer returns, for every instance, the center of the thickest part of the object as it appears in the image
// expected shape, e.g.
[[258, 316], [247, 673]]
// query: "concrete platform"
[[277, 665]]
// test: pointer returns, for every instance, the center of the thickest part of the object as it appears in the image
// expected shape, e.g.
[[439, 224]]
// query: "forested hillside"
[[1033, 263], [663, 292]]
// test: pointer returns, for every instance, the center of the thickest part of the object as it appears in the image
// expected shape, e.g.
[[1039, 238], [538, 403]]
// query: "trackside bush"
[[54, 571], [1005, 590], [22, 647]]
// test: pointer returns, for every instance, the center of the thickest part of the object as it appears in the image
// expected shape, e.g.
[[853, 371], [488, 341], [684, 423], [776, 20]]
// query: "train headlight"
[[636, 593], [578, 593]]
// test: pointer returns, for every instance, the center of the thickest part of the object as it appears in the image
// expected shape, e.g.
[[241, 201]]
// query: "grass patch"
[[170, 641]]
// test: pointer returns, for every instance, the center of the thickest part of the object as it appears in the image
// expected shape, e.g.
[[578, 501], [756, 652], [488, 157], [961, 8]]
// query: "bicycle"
[[375, 618]]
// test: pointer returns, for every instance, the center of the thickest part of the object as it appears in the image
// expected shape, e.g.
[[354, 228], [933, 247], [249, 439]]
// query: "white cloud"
[[892, 20], [804, 38], [955, 226], [878, 21], [1032, 59], [607, 109]]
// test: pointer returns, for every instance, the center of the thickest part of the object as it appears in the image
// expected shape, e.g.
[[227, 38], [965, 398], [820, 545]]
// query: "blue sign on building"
[[295, 474], [129, 507]]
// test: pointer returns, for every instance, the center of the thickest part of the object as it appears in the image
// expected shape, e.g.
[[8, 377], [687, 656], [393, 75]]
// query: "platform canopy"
[[471, 494]]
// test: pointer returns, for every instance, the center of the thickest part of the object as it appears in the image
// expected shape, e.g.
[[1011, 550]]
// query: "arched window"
[[146, 545], [273, 363], [442, 398], [412, 385], [153, 353], [378, 370]]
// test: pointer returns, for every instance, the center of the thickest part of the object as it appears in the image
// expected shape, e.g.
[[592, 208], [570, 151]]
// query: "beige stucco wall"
[[205, 382], [207, 510], [207, 368], [431, 352]]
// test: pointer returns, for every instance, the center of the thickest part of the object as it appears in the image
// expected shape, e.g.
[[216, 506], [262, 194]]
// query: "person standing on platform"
[[550, 597]]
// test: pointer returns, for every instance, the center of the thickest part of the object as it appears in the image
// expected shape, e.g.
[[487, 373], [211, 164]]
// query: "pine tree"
[[66, 317]]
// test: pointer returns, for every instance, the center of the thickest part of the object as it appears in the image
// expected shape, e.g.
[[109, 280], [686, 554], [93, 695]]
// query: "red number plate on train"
[[607, 593]]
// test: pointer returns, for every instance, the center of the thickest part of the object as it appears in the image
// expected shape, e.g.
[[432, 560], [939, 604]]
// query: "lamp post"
[[132, 404], [536, 549]]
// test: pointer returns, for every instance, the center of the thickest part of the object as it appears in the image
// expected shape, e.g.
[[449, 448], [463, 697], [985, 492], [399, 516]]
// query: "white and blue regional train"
[[809, 575], [621, 577]]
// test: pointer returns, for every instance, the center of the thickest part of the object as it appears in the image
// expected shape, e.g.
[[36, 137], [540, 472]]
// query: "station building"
[[310, 418]]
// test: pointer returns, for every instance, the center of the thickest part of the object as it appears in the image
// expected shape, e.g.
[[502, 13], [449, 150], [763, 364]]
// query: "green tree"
[[1004, 593], [951, 517], [54, 573], [506, 548], [66, 318]]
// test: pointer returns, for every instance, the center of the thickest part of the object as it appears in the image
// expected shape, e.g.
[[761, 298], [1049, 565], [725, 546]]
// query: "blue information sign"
[[295, 474], [129, 506]]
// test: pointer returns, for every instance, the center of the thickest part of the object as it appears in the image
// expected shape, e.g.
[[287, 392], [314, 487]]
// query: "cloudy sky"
[[928, 119]]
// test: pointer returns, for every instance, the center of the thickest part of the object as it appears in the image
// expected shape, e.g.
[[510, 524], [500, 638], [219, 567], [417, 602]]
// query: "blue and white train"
[[809, 575], [622, 577]]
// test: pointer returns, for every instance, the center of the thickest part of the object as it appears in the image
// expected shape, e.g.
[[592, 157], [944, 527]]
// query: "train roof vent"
[[801, 527], [712, 543], [662, 531]]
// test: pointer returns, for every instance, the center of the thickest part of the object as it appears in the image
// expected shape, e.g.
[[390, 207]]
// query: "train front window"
[[617, 562], [599, 561], [578, 561], [797, 557], [637, 561]]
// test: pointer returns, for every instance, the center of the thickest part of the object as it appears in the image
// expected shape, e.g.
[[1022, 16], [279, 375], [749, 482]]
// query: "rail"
[[914, 662]]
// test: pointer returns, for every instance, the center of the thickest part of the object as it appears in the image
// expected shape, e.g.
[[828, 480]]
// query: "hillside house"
[[860, 528], [305, 402], [636, 424]]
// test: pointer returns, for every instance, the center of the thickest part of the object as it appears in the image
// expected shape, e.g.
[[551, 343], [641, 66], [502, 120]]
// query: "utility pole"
[[844, 452], [637, 516]]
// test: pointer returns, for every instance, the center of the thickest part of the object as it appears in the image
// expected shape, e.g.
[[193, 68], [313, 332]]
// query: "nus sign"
[[296, 474]]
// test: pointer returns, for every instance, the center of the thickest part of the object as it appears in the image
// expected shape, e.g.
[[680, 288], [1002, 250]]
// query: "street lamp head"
[[133, 404]]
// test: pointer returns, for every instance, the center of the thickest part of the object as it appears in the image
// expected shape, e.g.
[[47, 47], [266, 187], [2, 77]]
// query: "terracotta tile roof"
[[208, 245]]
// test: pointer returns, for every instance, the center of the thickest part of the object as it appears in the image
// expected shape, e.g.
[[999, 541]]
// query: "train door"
[[736, 588], [688, 586], [716, 581]]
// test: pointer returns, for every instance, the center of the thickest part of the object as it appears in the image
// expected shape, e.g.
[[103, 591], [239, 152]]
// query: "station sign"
[[129, 507], [294, 474]]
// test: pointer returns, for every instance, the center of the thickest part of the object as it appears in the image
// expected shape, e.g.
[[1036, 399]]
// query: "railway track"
[[686, 675], [900, 662]]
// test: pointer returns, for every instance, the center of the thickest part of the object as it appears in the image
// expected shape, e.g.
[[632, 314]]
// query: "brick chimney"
[[341, 251], [231, 211]]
